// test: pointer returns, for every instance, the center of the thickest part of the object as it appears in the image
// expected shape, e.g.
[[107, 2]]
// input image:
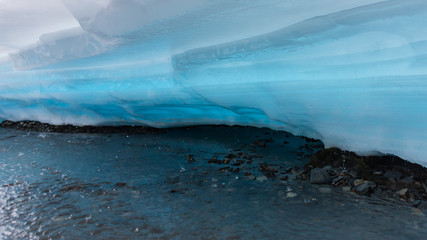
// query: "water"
[[118, 186]]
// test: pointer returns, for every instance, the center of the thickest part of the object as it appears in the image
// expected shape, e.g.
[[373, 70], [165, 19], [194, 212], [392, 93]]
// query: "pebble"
[[346, 189], [251, 177], [261, 178]]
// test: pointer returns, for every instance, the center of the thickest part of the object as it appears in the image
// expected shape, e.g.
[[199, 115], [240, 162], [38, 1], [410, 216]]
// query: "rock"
[[261, 178], [290, 177], [190, 158], [288, 169], [353, 174], [358, 182], [214, 160], [422, 205], [393, 175], [404, 193], [270, 169], [346, 189], [320, 176], [120, 184], [416, 203], [251, 177], [291, 194], [328, 168], [338, 180], [259, 143], [409, 179], [303, 177], [284, 178], [365, 188]]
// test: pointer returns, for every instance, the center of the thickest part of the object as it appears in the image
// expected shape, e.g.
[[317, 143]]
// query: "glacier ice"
[[352, 73]]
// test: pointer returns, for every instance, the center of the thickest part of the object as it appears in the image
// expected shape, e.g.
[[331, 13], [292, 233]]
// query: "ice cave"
[[351, 73]]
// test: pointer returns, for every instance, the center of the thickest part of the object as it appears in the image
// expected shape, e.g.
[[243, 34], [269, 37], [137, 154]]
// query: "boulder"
[[320, 176]]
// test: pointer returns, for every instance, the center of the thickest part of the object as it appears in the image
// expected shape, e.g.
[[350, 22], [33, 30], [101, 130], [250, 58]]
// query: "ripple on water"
[[73, 185]]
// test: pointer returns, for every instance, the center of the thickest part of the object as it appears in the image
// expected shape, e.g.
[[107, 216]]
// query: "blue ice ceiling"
[[352, 73]]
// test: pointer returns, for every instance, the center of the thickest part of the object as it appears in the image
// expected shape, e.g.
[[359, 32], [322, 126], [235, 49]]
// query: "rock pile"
[[389, 175]]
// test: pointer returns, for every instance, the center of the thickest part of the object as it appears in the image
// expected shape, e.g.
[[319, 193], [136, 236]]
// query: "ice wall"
[[352, 73]]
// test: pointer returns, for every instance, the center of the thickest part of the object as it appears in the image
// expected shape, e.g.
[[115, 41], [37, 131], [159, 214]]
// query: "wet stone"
[[366, 188], [291, 194], [320, 176], [416, 203]]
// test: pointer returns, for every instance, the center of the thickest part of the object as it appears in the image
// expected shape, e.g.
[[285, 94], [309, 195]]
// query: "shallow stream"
[[147, 186]]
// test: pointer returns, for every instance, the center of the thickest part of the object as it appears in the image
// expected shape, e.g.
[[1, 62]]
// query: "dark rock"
[[320, 176], [338, 180], [214, 160], [293, 177], [328, 169], [365, 189], [120, 184], [224, 169], [44, 127], [178, 190], [378, 191], [267, 170], [409, 179], [270, 169], [416, 203], [353, 174], [190, 158], [423, 205], [288, 169], [393, 175]]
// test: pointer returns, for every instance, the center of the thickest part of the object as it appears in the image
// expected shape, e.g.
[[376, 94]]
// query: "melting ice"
[[351, 73]]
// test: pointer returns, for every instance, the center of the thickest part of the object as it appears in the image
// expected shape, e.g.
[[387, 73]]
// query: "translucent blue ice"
[[352, 73]]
